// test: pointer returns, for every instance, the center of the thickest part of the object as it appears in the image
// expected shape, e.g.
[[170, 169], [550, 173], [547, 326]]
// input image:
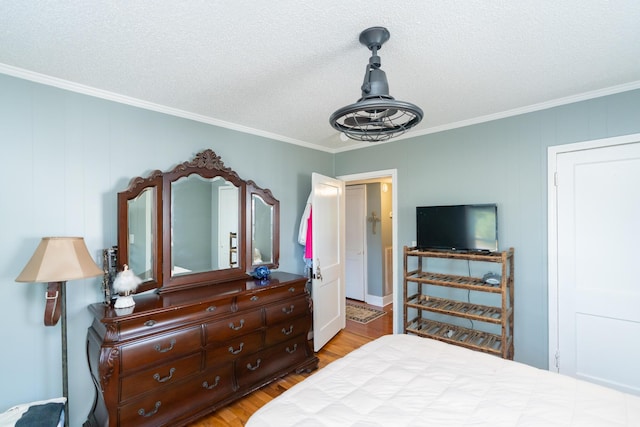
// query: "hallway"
[[376, 328]]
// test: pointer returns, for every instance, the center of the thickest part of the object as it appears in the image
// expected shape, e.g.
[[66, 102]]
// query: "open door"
[[328, 247]]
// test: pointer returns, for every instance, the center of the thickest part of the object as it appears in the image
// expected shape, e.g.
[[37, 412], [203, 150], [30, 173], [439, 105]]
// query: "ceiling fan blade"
[[357, 121], [379, 114], [376, 117]]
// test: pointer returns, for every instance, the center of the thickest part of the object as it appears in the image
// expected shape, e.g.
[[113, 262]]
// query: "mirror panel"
[[139, 236], [264, 227], [262, 231], [204, 224], [204, 217]]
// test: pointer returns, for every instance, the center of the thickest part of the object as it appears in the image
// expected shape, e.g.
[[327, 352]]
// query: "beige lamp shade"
[[58, 259]]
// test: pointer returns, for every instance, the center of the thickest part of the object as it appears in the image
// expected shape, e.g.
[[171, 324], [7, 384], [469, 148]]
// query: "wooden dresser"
[[172, 358]]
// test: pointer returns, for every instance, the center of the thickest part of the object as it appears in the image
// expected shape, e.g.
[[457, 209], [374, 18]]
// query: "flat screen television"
[[458, 227]]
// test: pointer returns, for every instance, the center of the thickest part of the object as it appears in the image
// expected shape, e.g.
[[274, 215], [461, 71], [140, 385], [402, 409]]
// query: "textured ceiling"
[[280, 68]]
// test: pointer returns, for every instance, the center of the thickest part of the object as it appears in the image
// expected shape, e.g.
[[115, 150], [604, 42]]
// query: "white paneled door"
[[597, 293], [328, 245], [355, 244]]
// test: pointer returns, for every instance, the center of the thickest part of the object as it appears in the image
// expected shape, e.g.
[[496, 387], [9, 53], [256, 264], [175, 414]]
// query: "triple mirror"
[[197, 224]]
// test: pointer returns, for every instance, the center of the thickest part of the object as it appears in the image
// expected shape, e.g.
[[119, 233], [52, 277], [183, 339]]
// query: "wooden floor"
[[353, 336]]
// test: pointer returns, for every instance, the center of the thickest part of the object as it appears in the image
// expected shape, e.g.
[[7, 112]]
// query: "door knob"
[[318, 274]]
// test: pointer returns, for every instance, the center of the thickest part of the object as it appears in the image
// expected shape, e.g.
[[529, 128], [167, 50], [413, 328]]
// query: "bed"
[[405, 380]]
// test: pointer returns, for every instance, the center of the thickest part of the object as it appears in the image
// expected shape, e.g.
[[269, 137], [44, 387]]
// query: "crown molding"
[[122, 99]]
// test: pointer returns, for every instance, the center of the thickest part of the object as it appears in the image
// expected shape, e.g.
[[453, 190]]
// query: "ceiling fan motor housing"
[[375, 84]]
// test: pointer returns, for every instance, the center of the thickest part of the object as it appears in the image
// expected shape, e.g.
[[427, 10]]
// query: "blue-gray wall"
[[503, 161], [66, 155], [64, 158]]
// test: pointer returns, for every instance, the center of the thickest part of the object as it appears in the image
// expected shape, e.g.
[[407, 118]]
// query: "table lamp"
[[56, 260]]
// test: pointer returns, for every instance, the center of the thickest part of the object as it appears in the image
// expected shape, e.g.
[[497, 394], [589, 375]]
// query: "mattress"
[[405, 380]]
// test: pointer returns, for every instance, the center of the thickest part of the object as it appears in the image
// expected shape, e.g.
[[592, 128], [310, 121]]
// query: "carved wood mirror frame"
[[145, 225]]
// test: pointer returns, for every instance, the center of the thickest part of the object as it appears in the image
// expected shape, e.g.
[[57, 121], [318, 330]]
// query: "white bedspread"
[[405, 380]]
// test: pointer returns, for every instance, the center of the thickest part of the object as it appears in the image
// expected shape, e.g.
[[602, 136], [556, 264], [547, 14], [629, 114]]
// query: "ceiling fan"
[[377, 116]]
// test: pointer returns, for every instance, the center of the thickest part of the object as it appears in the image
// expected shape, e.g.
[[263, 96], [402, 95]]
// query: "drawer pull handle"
[[212, 386], [284, 331], [289, 310], [295, 347], [292, 289], [149, 323], [254, 298], [237, 328], [253, 368], [164, 350], [156, 376], [142, 412], [232, 351], [211, 308]]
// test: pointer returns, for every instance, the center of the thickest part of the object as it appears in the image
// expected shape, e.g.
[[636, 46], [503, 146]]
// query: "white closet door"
[[598, 291], [355, 243]]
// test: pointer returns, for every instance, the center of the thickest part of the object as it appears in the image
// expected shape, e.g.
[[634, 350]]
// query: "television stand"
[[428, 314]]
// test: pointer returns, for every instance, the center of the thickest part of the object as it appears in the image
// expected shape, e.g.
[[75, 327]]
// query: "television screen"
[[458, 227]]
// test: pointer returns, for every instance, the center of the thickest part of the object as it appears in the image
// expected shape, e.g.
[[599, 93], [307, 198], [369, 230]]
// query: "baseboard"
[[378, 300]]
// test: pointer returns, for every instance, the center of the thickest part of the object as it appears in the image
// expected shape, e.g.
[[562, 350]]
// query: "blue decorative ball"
[[261, 272]]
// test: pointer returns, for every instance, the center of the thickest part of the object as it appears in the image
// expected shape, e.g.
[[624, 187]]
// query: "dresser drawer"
[[234, 326], [264, 296], [215, 384], [145, 352], [235, 348], [167, 374], [289, 309], [262, 365], [160, 408], [287, 330], [158, 322]]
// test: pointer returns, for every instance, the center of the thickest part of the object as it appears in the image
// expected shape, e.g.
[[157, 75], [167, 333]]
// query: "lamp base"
[[124, 302]]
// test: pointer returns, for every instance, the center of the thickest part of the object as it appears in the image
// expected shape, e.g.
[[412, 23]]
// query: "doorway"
[[389, 254]]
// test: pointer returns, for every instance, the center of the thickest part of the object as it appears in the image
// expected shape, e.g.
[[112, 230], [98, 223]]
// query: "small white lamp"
[[125, 283]]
